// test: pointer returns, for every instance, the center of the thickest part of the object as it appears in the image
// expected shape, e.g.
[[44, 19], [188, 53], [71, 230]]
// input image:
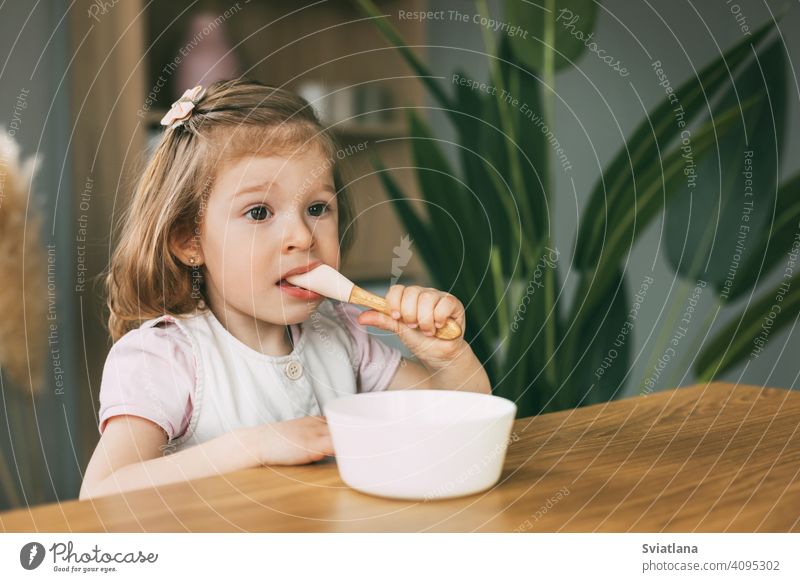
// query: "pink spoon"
[[329, 282]]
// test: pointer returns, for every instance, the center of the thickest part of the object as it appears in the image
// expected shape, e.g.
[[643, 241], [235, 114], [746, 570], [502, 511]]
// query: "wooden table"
[[713, 458]]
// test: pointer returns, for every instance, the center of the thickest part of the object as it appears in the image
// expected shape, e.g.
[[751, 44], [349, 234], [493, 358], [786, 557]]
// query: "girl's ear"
[[186, 247]]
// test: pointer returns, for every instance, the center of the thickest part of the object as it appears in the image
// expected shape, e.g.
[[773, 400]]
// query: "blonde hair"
[[235, 118]]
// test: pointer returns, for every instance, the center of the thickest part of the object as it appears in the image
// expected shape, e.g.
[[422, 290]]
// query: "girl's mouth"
[[298, 292]]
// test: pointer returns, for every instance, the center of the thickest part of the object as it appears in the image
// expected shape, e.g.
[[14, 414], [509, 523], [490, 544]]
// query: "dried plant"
[[23, 263]]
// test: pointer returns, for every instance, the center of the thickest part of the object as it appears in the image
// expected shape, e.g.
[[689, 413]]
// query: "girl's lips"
[[297, 292]]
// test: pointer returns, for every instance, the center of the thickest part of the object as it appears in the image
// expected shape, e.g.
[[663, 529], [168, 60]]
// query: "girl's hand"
[[295, 442], [417, 313]]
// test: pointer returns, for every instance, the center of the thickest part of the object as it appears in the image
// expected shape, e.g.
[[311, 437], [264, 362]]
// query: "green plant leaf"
[[656, 185], [600, 363], [562, 28], [491, 157], [484, 170], [524, 105], [440, 185], [749, 332], [502, 112], [414, 223], [505, 104], [615, 191], [712, 231], [454, 215], [529, 375], [772, 241]]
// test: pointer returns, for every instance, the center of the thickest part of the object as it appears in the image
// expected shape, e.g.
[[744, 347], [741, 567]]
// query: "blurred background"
[[612, 199]]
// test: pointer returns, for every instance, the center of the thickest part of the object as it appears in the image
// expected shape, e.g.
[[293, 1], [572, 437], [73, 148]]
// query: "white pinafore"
[[236, 386]]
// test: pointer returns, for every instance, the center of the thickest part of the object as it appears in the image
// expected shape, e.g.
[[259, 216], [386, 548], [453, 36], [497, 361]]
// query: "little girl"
[[219, 363]]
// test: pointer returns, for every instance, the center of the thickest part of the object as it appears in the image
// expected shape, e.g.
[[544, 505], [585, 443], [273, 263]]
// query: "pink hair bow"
[[181, 110]]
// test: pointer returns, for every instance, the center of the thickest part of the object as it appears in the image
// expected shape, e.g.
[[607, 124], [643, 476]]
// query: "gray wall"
[[684, 41]]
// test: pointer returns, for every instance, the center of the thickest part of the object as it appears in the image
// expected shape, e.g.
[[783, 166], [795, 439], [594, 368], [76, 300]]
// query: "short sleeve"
[[377, 361], [150, 373]]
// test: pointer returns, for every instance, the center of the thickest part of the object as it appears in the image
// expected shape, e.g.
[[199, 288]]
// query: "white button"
[[294, 370]]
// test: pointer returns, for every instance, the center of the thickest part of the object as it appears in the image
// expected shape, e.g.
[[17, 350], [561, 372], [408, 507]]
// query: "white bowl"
[[420, 444]]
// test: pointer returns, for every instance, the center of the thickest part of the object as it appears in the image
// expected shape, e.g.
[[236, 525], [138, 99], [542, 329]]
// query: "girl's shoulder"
[[161, 341], [150, 372], [160, 331]]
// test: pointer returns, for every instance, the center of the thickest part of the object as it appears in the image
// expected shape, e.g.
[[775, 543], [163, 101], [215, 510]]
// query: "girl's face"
[[267, 216]]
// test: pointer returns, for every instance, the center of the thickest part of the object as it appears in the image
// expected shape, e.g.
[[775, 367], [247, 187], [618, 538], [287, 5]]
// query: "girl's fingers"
[[408, 305], [425, 306], [379, 320], [325, 445], [446, 308], [393, 297]]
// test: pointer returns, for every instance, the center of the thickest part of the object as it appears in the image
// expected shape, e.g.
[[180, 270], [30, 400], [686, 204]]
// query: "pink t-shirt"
[[150, 372]]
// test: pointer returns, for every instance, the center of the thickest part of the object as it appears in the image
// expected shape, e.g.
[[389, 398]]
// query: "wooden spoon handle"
[[359, 296]]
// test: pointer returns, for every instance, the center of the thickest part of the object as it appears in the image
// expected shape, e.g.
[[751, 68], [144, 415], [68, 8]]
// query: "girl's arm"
[[464, 373], [130, 453], [417, 312]]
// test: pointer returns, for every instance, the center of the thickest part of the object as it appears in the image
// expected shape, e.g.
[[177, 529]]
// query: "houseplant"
[[495, 209]]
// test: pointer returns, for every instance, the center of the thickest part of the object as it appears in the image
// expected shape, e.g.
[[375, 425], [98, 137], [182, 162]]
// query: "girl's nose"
[[297, 236]]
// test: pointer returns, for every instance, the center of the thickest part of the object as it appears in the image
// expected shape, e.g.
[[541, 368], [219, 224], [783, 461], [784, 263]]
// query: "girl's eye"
[[258, 213], [321, 209]]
